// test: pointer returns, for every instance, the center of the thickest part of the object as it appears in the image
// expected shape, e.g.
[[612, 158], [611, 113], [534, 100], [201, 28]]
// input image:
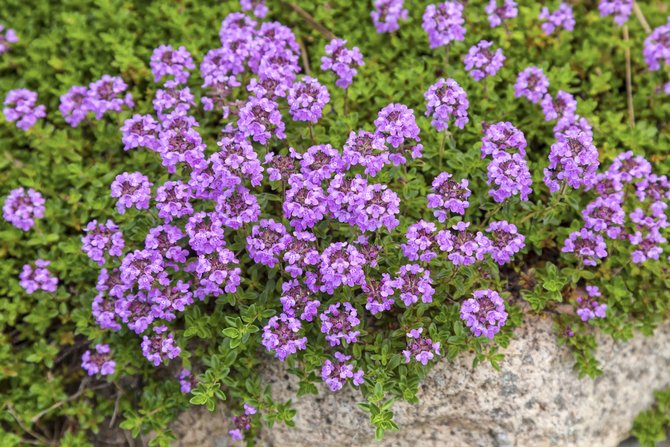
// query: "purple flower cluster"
[[133, 191], [445, 100], [260, 119], [102, 240], [657, 47], [499, 13], [573, 161], [342, 61], [420, 244], [335, 374], [563, 107], [187, 381], [37, 277], [339, 323], [387, 13], [101, 97], [531, 83], [561, 18], [505, 241], [449, 196], [367, 150], [587, 245], [379, 294], [159, 346], [21, 106], [414, 283], [298, 301], [589, 308], [282, 335], [620, 9], [481, 62], [463, 247], [7, 37], [443, 22], [166, 61], [242, 423], [307, 99], [485, 313], [503, 136], [397, 125], [420, 348], [22, 207], [257, 7], [267, 241], [341, 265], [99, 362], [139, 131]]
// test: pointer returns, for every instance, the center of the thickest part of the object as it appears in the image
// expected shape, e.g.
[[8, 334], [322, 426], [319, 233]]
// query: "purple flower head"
[[257, 7], [165, 302], [345, 198], [242, 423], [267, 242], [605, 215], [367, 150], [320, 162], [573, 160], [22, 207], [307, 99], [187, 381], [341, 264], [498, 12], [378, 208], [72, 105], [174, 99], [280, 167], [105, 95], [485, 313], [21, 106], [561, 18], [173, 200], [301, 253], [260, 119], [563, 107], [218, 273], [160, 346], [508, 174], [37, 276], [7, 37], [502, 136], [396, 123], [110, 283], [445, 100], [630, 167], [98, 362], [387, 13], [339, 322], [342, 61], [589, 308], [588, 246], [283, 335], [653, 187], [420, 348], [180, 144], [531, 83], [305, 203], [144, 268], [443, 22], [420, 242], [205, 232], [164, 238], [449, 195], [140, 131], [463, 247], [335, 374], [133, 191], [414, 283], [102, 240], [620, 9], [505, 241], [647, 245], [237, 207], [136, 312], [379, 294], [238, 157], [657, 48], [298, 301], [166, 61], [481, 62]]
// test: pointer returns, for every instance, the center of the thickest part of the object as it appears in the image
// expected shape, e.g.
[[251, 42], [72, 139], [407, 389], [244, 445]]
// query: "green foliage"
[[651, 426], [45, 397]]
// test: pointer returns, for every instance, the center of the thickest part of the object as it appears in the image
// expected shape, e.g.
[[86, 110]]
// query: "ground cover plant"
[[194, 192]]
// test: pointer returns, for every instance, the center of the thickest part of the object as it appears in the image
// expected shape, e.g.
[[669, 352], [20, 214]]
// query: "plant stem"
[[346, 101], [442, 142], [641, 18], [629, 81]]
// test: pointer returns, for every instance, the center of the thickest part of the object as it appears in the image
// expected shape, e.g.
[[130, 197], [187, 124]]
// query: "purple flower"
[[443, 23], [421, 349], [180, 145], [283, 335], [140, 131], [144, 268], [338, 322], [605, 215], [335, 374], [101, 240], [260, 118], [166, 61], [136, 311], [298, 301], [163, 239], [647, 245], [267, 242], [72, 105], [305, 203], [345, 197], [367, 150], [653, 187], [37, 277], [280, 167], [132, 190], [509, 176], [173, 200], [237, 207], [378, 208], [22, 207], [341, 264], [589, 308], [414, 283], [320, 162], [445, 100], [257, 7], [242, 423], [505, 241], [620, 9], [420, 242], [379, 294], [463, 247], [449, 195], [160, 346], [396, 123], [307, 99], [561, 18], [588, 246], [104, 95], [174, 99], [7, 37], [342, 61], [238, 157], [217, 270], [387, 13], [205, 232], [502, 136], [187, 381], [629, 167], [657, 47], [498, 14], [482, 62], [301, 253], [485, 313], [21, 106], [563, 107], [99, 362], [531, 83], [573, 160]]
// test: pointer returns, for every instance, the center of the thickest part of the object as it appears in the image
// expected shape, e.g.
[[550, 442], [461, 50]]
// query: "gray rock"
[[536, 400]]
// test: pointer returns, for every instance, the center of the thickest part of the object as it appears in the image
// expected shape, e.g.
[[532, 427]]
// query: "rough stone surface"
[[535, 400]]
